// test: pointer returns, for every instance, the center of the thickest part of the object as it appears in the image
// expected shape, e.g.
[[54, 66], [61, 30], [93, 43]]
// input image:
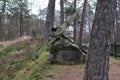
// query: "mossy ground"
[[16, 62], [12, 49], [21, 67], [34, 68]]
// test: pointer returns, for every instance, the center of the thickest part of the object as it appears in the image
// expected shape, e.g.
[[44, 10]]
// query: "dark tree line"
[[16, 19]]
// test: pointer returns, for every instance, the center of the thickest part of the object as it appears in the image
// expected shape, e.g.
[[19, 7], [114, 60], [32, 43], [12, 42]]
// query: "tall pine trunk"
[[115, 36], [75, 31], [2, 14], [49, 18], [82, 23], [61, 12], [97, 64], [118, 23], [21, 19], [1, 29]]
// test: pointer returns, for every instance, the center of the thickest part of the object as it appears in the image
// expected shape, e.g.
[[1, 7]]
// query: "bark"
[[118, 23], [2, 19], [75, 34], [21, 19], [82, 22], [49, 18], [61, 12], [97, 64], [1, 30], [115, 37]]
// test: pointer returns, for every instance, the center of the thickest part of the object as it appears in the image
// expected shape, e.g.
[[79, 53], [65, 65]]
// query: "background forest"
[[35, 35], [19, 19]]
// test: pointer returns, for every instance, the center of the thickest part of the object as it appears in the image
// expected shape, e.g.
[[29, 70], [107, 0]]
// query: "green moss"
[[33, 69], [12, 49], [49, 75], [14, 66], [21, 46], [6, 51], [21, 67]]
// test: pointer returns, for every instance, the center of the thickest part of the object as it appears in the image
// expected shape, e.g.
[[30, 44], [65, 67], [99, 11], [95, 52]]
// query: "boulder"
[[64, 51]]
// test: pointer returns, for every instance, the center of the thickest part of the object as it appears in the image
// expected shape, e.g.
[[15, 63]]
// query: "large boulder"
[[64, 51]]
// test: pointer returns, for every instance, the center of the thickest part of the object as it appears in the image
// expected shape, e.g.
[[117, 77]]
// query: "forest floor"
[[16, 64], [76, 72], [16, 41]]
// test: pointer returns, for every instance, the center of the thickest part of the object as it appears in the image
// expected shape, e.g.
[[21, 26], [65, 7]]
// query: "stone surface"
[[63, 51]]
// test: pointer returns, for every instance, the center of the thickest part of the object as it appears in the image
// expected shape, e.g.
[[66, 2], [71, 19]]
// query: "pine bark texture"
[[115, 36], [3, 7], [1, 29], [75, 31], [97, 63], [82, 22], [21, 18], [118, 23], [49, 18], [61, 12]]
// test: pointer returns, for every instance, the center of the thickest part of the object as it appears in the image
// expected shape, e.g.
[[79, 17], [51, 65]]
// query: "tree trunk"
[[118, 23], [61, 12], [49, 18], [21, 18], [82, 22], [115, 37], [1, 29], [2, 19], [75, 35], [97, 64]]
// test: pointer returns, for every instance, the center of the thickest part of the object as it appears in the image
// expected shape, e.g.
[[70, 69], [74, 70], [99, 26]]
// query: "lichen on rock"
[[64, 51]]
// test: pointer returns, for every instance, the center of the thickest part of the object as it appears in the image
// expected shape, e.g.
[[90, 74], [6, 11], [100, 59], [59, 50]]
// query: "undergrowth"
[[11, 63], [12, 49], [33, 69]]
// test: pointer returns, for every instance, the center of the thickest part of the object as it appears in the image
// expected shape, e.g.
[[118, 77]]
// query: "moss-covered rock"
[[64, 51]]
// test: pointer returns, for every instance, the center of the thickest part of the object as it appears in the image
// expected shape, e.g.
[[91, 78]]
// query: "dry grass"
[[19, 66], [16, 41]]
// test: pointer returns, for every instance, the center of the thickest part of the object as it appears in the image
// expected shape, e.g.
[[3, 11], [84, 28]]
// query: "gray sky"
[[40, 4], [37, 4]]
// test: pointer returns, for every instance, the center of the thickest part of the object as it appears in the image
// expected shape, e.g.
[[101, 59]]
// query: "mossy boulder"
[[64, 51]]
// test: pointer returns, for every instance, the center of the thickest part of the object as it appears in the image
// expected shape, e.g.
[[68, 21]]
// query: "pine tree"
[[97, 64], [49, 18]]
